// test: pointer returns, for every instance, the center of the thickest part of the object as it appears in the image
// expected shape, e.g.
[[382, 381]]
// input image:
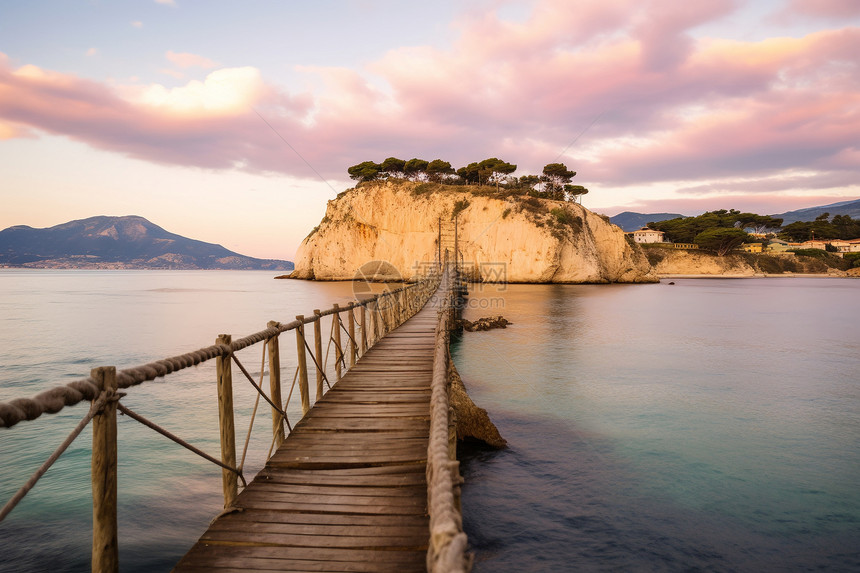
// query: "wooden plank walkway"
[[346, 491]]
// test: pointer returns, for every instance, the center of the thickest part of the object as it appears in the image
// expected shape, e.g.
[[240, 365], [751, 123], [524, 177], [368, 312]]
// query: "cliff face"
[[669, 262], [516, 238]]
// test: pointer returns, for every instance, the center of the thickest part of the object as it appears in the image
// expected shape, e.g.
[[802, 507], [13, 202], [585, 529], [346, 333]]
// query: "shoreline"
[[757, 276]]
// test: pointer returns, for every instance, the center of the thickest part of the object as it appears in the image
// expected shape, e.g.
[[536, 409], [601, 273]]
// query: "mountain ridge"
[[127, 242], [631, 220]]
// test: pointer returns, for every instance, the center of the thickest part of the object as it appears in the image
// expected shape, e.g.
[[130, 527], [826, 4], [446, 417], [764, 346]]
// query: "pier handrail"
[[446, 550], [388, 309], [53, 400]]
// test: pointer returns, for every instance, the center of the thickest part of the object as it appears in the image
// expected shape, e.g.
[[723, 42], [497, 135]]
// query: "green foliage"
[[424, 188], [438, 169], [556, 176], [721, 240], [459, 207], [393, 167], [414, 168], [527, 182], [571, 192], [841, 227], [533, 204], [365, 171], [853, 259], [654, 256], [685, 229], [562, 216]]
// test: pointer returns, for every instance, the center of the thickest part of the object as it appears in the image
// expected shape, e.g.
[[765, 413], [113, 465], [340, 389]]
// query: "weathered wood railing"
[[447, 544], [377, 315]]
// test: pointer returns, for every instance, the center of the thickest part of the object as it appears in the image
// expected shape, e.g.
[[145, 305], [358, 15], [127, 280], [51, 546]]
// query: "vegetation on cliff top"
[[553, 183]]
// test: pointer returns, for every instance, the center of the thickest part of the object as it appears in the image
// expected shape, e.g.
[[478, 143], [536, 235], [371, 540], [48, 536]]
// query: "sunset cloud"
[[622, 91], [186, 60], [824, 8]]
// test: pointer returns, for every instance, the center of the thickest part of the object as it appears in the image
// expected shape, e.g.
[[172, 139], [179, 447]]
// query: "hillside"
[[850, 208], [120, 243], [631, 221], [503, 236]]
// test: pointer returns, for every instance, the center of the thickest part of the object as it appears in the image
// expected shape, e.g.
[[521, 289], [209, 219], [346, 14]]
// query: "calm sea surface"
[[711, 425]]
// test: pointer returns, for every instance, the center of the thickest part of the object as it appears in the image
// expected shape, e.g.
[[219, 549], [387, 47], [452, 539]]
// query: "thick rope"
[[447, 545], [55, 399]]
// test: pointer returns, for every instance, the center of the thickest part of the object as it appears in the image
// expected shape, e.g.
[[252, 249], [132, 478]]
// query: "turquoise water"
[[711, 425], [57, 325], [707, 425]]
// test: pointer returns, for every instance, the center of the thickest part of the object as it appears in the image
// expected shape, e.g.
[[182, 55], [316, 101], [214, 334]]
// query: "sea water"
[[57, 325], [708, 425]]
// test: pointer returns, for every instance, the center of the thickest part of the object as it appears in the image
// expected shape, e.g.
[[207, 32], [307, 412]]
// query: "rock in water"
[[503, 237], [484, 323], [472, 421]]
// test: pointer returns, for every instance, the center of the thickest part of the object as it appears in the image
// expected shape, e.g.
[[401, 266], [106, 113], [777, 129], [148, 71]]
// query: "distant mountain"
[[850, 208], [118, 243], [630, 221]]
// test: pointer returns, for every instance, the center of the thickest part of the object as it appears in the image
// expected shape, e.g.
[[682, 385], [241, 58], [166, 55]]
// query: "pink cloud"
[[186, 60], [671, 107], [824, 8]]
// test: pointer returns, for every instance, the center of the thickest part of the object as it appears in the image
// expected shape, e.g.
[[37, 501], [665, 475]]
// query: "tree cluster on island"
[[554, 182], [724, 230]]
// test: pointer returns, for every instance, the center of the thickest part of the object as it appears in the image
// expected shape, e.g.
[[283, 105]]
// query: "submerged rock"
[[472, 421]]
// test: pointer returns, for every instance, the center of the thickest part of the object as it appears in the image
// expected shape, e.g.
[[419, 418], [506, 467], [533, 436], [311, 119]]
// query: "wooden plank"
[[311, 540], [268, 516], [347, 489]]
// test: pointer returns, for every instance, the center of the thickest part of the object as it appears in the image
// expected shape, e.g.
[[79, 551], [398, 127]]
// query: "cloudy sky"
[[234, 122]]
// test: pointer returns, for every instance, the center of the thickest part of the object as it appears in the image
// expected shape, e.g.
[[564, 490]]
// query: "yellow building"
[[751, 247]]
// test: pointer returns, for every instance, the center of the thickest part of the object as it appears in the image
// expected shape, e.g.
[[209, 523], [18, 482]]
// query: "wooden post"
[[363, 314], [318, 353], [382, 313], [456, 244], [374, 319], [338, 349], [440, 244], [105, 555], [224, 369], [275, 385], [303, 365], [353, 347]]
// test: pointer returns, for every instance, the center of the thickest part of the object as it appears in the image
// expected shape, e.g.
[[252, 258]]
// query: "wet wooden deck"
[[346, 491]]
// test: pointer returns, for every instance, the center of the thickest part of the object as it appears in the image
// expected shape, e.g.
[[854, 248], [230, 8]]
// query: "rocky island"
[[502, 236]]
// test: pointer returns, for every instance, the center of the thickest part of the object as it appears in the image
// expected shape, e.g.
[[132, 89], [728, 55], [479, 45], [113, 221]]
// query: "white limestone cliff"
[[515, 238]]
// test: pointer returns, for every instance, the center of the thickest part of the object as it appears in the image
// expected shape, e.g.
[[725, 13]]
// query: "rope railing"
[[55, 399], [387, 310], [446, 550]]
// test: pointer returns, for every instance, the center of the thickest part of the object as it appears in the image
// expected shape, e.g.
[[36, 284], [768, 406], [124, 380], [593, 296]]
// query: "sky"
[[235, 122]]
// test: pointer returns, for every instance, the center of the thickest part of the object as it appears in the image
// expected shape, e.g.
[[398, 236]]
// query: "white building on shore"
[[646, 235]]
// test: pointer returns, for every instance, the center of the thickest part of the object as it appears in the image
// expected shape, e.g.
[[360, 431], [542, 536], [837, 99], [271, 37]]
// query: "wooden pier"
[[367, 480], [347, 490]]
